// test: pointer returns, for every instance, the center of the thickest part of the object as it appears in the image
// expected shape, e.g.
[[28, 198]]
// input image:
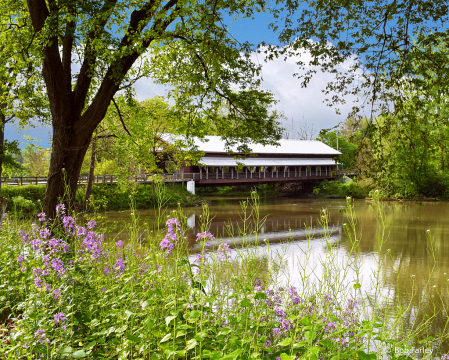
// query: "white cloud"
[[303, 105]]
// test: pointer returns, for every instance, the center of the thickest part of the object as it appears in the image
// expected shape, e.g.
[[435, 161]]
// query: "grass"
[[27, 200], [65, 293]]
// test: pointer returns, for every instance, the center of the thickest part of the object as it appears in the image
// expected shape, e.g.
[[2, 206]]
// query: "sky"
[[302, 107]]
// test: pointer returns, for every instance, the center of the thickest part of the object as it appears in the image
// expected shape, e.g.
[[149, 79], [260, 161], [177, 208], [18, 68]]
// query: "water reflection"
[[406, 259]]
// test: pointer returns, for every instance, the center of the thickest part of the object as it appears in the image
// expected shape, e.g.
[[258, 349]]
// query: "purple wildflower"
[[56, 294], [41, 216], [119, 266], [40, 336], [223, 251], [59, 318], [204, 235], [119, 244], [20, 259], [91, 224], [60, 209]]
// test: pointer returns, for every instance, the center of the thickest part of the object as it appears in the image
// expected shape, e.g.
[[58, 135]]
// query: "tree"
[[137, 145], [370, 46], [348, 150], [35, 160], [21, 94], [178, 42]]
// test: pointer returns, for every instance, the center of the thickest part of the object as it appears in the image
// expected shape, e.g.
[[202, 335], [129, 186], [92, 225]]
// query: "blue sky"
[[302, 107]]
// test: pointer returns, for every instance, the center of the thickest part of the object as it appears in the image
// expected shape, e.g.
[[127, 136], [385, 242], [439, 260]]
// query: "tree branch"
[[90, 59], [120, 116]]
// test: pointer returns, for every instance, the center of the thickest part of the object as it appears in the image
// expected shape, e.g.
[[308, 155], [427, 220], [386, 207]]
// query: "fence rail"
[[181, 177]]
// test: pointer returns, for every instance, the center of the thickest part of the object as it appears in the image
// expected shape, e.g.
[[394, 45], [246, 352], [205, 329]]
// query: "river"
[[405, 257]]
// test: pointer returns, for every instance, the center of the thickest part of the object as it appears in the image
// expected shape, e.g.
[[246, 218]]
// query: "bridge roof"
[[215, 144], [256, 161]]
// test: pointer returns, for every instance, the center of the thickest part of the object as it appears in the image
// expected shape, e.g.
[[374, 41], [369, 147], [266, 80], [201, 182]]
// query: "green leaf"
[[232, 356], [144, 305], [168, 319], [65, 350], [191, 344], [284, 356], [149, 323], [79, 354], [133, 338], [260, 296], [356, 286], [166, 337], [310, 336], [364, 356], [193, 314], [286, 342], [245, 303]]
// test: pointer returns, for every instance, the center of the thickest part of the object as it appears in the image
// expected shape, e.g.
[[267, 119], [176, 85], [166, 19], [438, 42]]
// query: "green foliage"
[[22, 205], [8, 158], [35, 160], [31, 194], [142, 300], [117, 198], [240, 190], [348, 149], [337, 189]]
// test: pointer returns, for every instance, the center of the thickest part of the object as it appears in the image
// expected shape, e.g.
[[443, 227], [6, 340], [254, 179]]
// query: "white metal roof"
[[215, 144], [256, 161]]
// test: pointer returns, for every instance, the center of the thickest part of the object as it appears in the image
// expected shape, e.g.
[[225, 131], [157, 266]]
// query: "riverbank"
[[263, 190], [27, 200]]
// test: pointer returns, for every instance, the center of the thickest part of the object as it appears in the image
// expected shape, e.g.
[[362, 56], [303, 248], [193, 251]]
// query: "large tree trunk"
[[90, 178], [2, 138], [67, 156]]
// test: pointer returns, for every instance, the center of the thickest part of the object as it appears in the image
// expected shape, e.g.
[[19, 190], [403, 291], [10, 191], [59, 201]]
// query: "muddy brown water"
[[405, 256]]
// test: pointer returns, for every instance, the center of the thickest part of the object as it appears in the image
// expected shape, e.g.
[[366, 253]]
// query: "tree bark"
[[90, 178], [2, 138]]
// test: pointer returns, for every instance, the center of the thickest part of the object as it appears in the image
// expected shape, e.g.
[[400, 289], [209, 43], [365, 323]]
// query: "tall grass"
[[66, 293]]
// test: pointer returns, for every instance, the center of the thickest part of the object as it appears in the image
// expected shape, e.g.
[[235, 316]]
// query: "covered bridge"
[[290, 161]]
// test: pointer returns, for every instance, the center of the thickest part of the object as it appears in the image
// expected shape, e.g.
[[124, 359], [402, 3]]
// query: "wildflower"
[[119, 266], [41, 216], [106, 270], [167, 244], [60, 209], [159, 268], [59, 318], [204, 235], [223, 251], [40, 336], [58, 266], [200, 260], [91, 224], [119, 244], [24, 236], [20, 259], [23, 269], [56, 294]]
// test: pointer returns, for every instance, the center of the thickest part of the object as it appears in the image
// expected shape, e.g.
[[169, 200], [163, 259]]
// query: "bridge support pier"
[[191, 186]]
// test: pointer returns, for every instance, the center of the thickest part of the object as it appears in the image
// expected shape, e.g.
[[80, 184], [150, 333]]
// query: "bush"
[[336, 189], [23, 205]]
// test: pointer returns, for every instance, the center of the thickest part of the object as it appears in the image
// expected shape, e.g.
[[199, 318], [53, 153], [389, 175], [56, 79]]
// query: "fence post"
[[36, 181], [104, 179], [21, 180]]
